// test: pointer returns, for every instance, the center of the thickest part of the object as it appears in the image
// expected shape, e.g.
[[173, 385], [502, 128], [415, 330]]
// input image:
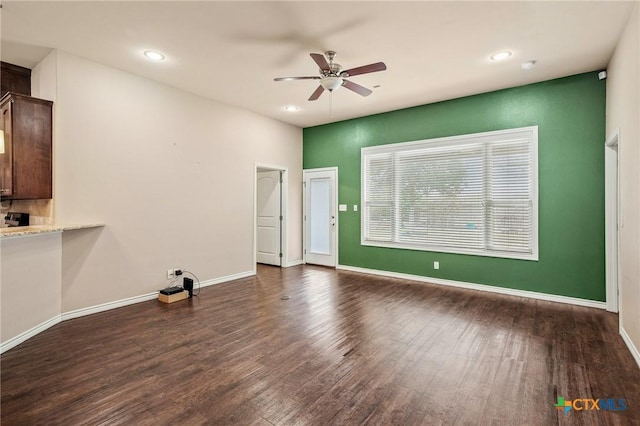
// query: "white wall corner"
[[44, 80], [632, 348], [22, 337]]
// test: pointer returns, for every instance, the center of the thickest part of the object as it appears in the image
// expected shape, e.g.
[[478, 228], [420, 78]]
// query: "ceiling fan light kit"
[[332, 75], [331, 83]]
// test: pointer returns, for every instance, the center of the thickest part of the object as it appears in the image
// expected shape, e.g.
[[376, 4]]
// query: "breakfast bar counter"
[[25, 231]]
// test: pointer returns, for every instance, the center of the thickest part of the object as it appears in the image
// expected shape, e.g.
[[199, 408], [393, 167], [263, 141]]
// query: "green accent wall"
[[570, 113]]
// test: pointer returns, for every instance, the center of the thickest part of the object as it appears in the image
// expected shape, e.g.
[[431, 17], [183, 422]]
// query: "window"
[[470, 194]]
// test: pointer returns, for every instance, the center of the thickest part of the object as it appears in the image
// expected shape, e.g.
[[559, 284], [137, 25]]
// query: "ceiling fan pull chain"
[[331, 104]]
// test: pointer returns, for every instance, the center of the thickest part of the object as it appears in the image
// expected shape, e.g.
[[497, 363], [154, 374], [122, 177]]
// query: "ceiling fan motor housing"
[[334, 70]]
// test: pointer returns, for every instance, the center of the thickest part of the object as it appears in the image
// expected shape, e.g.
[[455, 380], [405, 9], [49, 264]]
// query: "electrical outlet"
[[170, 274], [436, 265]]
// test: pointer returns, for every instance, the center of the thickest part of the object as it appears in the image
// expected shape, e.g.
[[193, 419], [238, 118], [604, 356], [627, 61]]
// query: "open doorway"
[[270, 218]]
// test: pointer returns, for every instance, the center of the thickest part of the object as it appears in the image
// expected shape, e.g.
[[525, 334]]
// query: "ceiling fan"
[[332, 76]]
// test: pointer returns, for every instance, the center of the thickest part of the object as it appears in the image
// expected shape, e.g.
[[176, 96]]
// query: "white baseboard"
[[143, 298], [108, 306], [481, 287], [630, 345], [294, 263], [228, 278], [15, 341]]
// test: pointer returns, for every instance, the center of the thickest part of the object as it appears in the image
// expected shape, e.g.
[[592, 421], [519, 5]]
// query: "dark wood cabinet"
[[15, 79], [26, 163]]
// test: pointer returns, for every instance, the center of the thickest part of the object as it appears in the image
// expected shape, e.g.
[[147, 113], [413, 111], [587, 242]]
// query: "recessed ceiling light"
[[154, 56], [291, 108], [500, 56], [528, 65]]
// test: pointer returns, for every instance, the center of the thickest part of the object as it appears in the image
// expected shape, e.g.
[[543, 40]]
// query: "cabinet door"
[[26, 163], [6, 159], [31, 131]]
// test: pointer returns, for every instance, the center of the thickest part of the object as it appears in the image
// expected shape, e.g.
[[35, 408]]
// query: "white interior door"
[[320, 218], [269, 217]]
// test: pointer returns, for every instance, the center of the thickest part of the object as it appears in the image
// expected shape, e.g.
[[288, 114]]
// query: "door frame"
[[284, 202], [612, 220], [304, 212]]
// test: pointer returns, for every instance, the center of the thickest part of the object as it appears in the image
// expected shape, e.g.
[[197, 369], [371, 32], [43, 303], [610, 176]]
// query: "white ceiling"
[[231, 51]]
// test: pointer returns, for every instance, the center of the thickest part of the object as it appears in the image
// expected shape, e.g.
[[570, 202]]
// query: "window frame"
[[530, 132]]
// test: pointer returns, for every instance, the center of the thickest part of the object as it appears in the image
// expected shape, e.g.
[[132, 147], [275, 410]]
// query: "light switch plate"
[[355, 207], [342, 207]]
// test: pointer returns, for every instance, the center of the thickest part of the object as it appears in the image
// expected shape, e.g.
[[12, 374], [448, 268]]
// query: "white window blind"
[[472, 194]]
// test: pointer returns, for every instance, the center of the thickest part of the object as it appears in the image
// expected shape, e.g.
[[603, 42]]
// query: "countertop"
[[25, 231]]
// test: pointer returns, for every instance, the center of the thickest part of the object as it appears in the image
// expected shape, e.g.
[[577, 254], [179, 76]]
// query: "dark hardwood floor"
[[344, 348]]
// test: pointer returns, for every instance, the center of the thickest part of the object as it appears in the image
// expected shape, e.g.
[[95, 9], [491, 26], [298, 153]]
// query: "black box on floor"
[[171, 290]]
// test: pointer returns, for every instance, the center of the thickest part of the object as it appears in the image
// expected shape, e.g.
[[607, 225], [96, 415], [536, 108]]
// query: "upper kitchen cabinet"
[[26, 163], [15, 79]]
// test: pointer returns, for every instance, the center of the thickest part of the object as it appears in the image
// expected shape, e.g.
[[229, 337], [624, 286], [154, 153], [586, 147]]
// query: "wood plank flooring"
[[344, 348]]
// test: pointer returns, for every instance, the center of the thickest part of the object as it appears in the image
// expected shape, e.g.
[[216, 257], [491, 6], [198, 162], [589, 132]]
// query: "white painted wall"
[[43, 78], [170, 173], [623, 112], [31, 277]]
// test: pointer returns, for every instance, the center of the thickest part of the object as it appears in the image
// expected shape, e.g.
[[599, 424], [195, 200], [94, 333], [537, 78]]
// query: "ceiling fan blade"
[[315, 95], [365, 69], [321, 61], [360, 90], [295, 78]]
